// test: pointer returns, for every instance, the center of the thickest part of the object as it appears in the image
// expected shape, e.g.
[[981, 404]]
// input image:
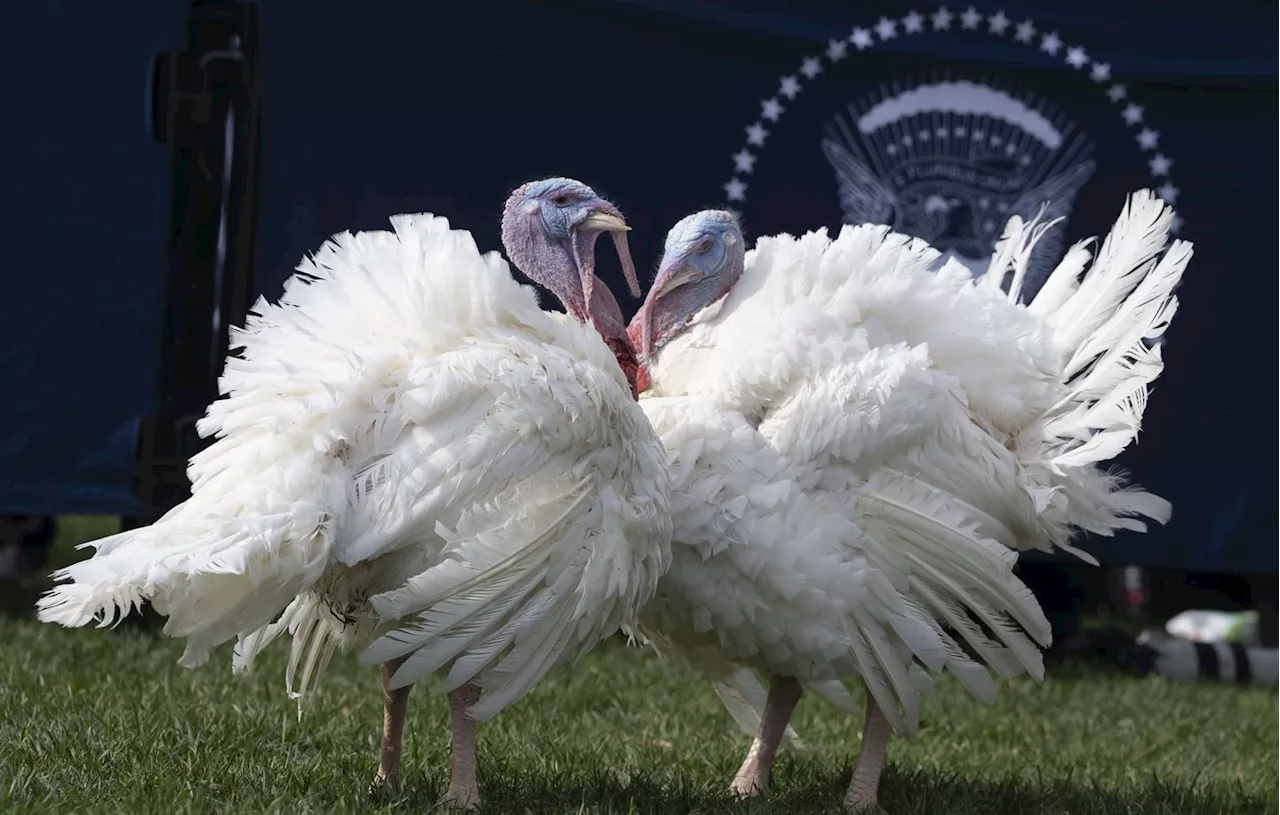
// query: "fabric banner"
[[940, 120], [84, 202]]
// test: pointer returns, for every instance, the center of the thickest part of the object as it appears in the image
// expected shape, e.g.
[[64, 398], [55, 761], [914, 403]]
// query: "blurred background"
[[167, 165]]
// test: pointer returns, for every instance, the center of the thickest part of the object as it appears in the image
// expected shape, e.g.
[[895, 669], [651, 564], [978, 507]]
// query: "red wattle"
[[627, 361], [642, 380]]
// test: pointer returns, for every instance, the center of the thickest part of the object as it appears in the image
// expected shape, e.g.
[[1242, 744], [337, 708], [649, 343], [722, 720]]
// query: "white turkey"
[[859, 447], [413, 458]]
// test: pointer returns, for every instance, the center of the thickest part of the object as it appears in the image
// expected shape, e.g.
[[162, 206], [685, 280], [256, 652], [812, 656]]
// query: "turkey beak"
[[676, 271], [605, 217]]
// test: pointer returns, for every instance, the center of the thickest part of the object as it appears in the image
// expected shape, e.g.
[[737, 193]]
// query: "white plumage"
[[414, 457], [859, 446]]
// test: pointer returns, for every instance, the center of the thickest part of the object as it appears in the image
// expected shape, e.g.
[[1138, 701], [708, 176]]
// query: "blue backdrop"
[[665, 106], [84, 209]]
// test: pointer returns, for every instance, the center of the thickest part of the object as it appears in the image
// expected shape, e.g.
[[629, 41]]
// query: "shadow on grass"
[[511, 790]]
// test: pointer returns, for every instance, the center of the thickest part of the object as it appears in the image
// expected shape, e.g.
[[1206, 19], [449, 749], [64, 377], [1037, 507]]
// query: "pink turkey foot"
[[394, 704], [464, 788], [865, 784], [756, 772]]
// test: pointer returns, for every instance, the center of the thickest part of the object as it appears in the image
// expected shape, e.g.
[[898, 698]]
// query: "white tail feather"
[[1003, 254], [1064, 281], [1105, 328], [1013, 251]]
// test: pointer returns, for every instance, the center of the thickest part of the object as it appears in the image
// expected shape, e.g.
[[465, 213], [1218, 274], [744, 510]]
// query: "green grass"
[[105, 721]]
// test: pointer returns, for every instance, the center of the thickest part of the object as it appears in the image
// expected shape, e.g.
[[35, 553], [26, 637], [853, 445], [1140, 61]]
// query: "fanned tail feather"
[[1064, 281], [1013, 252], [1002, 255], [1106, 328], [268, 495]]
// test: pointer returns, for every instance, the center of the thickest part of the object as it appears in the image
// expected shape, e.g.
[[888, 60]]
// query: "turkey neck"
[[606, 317]]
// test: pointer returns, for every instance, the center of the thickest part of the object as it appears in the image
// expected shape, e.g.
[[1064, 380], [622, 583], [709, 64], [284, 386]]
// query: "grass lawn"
[[105, 721]]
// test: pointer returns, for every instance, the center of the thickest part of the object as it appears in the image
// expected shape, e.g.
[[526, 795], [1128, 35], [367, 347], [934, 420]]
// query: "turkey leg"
[[866, 773], [394, 704], [756, 771], [464, 789]]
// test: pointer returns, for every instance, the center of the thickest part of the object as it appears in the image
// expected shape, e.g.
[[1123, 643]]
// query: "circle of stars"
[[943, 19]]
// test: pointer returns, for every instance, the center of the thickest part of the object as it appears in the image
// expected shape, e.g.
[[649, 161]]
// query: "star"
[[979, 135], [984, 203], [997, 23], [1100, 72], [735, 190], [1117, 92], [1147, 138], [1024, 161], [811, 67], [744, 161], [1168, 192], [1051, 43], [886, 28], [836, 49], [891, 149], [1010, 149], [960, 130], [1077, 58], [995, 141], [756, 134], [970, 19], [1003, 206], [861, 39], [1175, 223], [913, 23], [770, 109], [907, 141], [942, 19], [1025, 32], [941, 132], [1160, 164], [989, 225], [923, 135], [1132, 114], [790, 87]]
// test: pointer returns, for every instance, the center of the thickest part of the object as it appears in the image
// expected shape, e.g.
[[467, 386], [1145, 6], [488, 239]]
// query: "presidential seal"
[[951, 160]]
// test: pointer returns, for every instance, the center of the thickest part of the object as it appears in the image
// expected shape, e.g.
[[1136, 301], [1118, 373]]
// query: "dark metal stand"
[[205, 106]]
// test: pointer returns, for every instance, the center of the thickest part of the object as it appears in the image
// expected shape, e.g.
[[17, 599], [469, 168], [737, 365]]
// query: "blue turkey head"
[[549, 229], [702, 260]]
